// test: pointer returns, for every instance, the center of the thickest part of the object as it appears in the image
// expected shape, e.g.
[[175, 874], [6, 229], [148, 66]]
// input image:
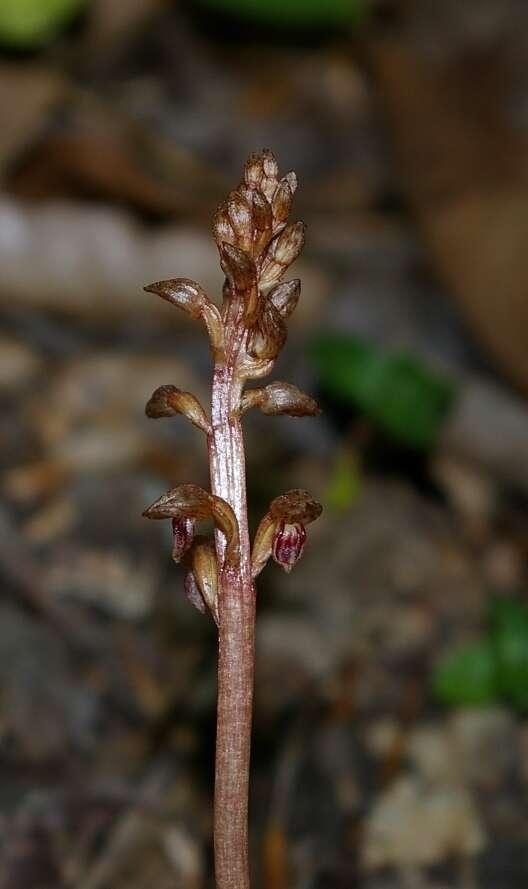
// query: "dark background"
[[123, 126]]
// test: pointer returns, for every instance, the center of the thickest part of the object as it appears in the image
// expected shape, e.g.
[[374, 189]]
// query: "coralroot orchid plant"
[[257, 246]]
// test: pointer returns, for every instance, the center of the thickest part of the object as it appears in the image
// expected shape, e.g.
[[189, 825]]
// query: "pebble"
[[414, 824]]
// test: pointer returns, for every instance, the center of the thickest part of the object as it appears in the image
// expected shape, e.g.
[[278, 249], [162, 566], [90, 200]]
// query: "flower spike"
[[257, 244]]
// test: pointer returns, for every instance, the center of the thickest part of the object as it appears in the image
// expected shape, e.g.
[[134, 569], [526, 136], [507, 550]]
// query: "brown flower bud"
[[292, 181], [253, 170], [269, 164], [285, 297], [206, 574], [270, 170], [181, 292], [182, 536], [288, 544], [295, 506], [167, 401], [184, 501], [280, 398], [282, 251], [262, 220], [240, 217], [238, 267], [262, 214], [282, 201], [268, 334], [289, 244], [222, 228], [193, 593]]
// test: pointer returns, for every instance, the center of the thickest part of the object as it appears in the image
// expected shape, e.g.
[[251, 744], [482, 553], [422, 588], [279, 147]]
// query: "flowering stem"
[[256, 248], [236, 657]]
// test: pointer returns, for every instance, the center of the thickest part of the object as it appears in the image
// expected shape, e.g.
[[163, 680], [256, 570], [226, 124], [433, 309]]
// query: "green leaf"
[[468, 677], [296, 12], [509, 638], [407, 399], [25, 24]]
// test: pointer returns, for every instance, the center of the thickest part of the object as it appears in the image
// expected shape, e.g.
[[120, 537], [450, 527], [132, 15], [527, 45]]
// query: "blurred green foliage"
[[344, 487], [403, 396], [27, 24], [301, 13], [493, 669]]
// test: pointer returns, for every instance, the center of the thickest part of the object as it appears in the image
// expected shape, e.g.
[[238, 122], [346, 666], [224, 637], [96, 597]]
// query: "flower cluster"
[[256, 246]]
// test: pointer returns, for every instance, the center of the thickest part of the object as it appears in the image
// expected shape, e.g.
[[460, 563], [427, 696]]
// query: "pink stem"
[[236, 657]]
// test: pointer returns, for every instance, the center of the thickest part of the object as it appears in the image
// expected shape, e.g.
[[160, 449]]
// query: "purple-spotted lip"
[[288, 543]]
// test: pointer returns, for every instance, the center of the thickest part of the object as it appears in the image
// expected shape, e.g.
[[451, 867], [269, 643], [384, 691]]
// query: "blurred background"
[[391, 741]]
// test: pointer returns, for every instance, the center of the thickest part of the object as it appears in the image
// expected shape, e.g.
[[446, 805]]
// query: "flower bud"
[[292, 181], [285, 297], [282, 398], [253, 170], [282, 201], [182, 536], [262, 214], [240, 217], [262, 221], [222, 228], [268, 335], [238, 267], [289, 244], [282, 251], [270, 168], [288, 544], [181, 292], [167, 401], [269, 164], [184, 501]]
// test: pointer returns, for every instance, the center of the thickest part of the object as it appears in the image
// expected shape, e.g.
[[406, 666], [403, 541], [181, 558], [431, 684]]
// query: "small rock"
[[412, 824]]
